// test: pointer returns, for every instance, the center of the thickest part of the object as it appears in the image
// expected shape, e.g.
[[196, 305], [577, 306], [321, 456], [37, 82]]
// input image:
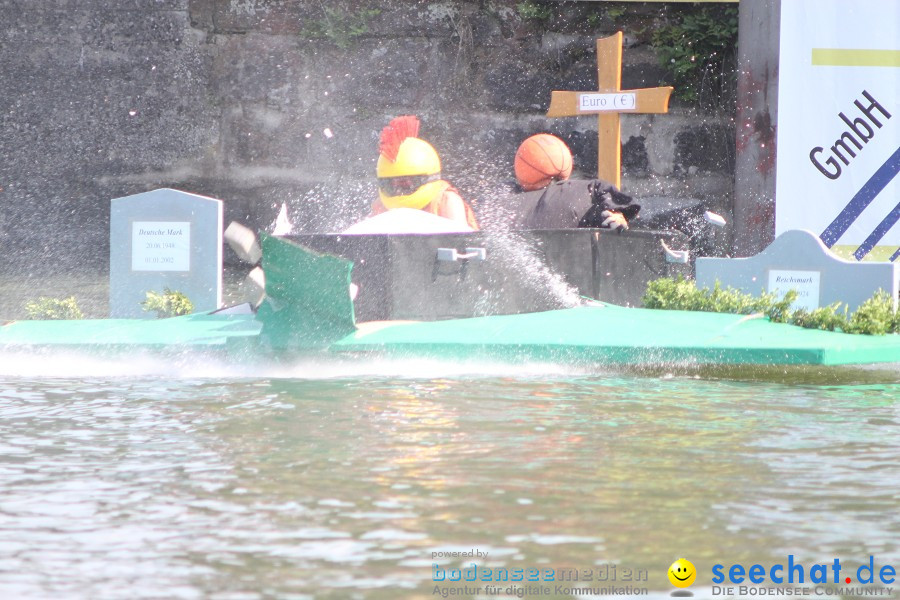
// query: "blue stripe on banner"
[[862, 199], [879, 233], [895, 255]]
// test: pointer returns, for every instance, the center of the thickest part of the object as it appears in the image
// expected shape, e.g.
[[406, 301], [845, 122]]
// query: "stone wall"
[[260, 102]]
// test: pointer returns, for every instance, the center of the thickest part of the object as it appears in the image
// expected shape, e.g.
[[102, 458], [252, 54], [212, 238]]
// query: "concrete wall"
[[260, 102]]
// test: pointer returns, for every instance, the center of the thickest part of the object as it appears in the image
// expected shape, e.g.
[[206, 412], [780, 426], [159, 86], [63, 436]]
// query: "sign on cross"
[[607, 103]]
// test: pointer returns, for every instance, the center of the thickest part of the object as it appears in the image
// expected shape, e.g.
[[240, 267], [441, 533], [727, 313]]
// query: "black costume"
[[570, 203]]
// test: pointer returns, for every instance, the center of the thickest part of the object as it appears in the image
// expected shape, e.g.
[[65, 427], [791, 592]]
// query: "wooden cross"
[[607, 103]]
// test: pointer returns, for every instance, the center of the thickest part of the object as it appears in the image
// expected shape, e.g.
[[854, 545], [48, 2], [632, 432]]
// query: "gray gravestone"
[[164, 239], [798, 260]]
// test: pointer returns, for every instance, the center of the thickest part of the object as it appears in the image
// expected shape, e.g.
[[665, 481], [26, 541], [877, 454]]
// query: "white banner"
[[839, 124]]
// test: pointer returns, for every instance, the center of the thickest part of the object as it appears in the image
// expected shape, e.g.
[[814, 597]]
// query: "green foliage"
[[615, 12], [671, 294], [597, 15], [168, 304], [532, 10], [681, 294], [341, 27], [780, 310], [826, 318], [53, 308], [699, 49], [876, 316]]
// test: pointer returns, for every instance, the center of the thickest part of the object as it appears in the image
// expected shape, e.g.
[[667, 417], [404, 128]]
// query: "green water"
[[120, 481]]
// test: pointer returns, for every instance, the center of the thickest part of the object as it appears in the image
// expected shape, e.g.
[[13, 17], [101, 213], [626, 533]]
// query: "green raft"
[[308, 310]]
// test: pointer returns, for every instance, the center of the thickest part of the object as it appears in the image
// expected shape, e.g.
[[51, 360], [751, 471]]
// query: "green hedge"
[[53, 308], [168, 304], [876, 316]]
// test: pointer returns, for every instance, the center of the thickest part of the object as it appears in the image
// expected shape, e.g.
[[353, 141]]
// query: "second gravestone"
[[164, 239], [798, 260]]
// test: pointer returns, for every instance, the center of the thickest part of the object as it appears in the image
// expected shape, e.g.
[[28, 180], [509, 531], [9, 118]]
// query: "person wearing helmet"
[[548, 198], [409, 176]]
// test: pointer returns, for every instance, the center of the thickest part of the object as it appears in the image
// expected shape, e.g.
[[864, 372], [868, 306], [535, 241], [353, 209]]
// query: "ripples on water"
[[199, 480]]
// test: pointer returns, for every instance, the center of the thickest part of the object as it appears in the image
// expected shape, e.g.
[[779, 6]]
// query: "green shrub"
[[340, 26], [616, 12], [895, 323], [168, 304], [876, 316], [530, 9], [54, 308], [826, 318], [779, 311], [698, 47], [682, 294], [669, 294]]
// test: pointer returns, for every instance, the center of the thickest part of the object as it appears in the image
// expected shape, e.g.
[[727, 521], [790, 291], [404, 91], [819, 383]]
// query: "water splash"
[[331, 207], [496, 204], [282, 224], [196, 365]]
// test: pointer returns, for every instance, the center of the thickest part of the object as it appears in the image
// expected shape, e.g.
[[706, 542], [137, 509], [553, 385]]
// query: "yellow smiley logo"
[[682, 573]]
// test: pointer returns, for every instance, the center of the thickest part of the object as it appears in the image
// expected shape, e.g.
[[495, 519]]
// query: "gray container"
[[444, 276]]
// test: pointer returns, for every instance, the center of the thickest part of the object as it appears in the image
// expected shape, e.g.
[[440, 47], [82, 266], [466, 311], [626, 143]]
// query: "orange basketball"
[[540, 159]]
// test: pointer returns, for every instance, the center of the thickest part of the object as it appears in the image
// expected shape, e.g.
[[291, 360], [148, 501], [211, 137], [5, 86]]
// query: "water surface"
[[340, 481]]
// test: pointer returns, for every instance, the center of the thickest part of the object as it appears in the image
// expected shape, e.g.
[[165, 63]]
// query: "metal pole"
[[757, 118]]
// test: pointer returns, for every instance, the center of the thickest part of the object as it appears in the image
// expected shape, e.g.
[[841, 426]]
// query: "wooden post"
[[607, 103]]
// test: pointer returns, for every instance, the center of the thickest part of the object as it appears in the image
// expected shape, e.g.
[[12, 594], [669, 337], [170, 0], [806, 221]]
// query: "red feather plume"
[[393, 135]]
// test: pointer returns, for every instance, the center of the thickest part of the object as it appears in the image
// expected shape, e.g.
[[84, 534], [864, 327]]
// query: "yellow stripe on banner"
[[878, 253], [838, 57]]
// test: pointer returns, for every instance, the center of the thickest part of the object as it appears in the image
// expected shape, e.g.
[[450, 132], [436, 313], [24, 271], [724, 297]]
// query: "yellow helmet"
[[412, 180]]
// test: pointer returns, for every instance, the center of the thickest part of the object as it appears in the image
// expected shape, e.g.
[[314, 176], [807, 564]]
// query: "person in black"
[[544, 197], [573, 203]]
